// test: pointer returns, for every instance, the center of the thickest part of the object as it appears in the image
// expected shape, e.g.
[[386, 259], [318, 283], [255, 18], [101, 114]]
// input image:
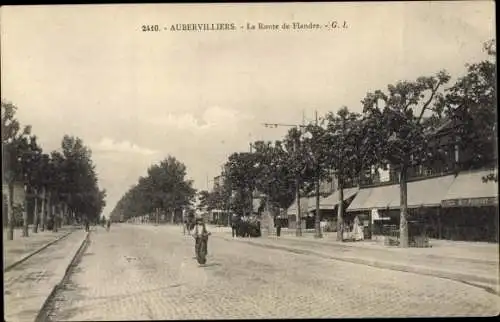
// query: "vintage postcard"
[[249, 160]]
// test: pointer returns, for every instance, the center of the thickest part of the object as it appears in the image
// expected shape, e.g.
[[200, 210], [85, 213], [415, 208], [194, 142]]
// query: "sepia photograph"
[[215, 161]]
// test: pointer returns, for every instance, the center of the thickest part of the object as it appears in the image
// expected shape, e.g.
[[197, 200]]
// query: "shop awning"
[[378, 197], [360, 199], [469, 190], [425, 193], [304, 203], [332, 200]]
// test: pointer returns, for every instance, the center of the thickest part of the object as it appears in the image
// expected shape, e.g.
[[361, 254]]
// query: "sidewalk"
[[28, 285], [17, 249], [476, 263]]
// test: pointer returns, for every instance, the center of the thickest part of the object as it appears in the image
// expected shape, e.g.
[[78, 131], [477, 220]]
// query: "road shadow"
[[210, 265]]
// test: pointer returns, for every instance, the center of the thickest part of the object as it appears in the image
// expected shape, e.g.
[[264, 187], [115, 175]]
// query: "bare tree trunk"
[[403, 223], [298, 230], [43, 210], [63, 214], [340, 214], [10, 212], [49, 207], [25, 215], [317, 222], [63, 217], [35, 215], [54, 217], [229, 212]]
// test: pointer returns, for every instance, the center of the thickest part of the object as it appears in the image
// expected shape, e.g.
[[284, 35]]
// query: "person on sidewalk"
[[234, 225], [278, 226]]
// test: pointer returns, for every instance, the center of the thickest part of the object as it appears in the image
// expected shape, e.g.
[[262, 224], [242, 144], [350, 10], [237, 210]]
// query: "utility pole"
[[340, 178], [317, 222], [298, 229], [227, 186]]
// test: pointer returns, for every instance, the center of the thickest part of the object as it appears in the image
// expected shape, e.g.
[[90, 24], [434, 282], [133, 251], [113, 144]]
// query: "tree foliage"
[[274, 176], [471, 103], [398, 118], [67, 175], [165, 187]]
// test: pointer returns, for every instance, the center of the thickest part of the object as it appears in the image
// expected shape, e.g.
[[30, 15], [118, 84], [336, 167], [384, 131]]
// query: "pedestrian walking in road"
[[204, 234]]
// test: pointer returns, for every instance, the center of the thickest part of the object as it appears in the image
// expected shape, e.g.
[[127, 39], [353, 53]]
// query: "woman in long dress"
[[357, 230]]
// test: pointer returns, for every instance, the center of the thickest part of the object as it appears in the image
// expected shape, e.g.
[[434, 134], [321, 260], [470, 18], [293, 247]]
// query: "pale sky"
[[135, 97]]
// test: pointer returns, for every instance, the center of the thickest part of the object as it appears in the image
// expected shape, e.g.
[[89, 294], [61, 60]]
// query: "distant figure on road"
[[108, 224], [87, 226]]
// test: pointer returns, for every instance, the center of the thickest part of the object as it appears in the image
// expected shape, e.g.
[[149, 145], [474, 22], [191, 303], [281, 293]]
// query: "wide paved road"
[[146, 272]]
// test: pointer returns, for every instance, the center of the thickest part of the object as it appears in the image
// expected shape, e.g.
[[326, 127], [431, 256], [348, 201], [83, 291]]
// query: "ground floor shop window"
[[470, 224]]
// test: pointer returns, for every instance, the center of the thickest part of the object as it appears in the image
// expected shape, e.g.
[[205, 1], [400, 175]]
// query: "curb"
[[11, 266], [43, 314], [459, 277], [351, 246]]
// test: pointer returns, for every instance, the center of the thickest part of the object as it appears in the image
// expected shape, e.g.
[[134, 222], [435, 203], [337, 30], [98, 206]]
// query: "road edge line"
[[11, 266], [42, 315]]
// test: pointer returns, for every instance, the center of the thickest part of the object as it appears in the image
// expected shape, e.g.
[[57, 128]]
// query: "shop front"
[[381, 205], [470, 208]]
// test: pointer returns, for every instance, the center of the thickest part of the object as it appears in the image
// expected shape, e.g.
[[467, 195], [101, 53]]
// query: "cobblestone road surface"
[[146, 272]]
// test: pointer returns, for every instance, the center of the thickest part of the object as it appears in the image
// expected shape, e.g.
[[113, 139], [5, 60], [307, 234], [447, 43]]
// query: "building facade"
[[447, 198]]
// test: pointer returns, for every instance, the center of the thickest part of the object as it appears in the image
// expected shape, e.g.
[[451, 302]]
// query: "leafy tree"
[[402, 140], [302, 166], [165, 187], [16, 151], [74, 193], [273, 176], [42, 176], [318, 145], [242, 175], [30, 163], [471, 104], [348, 152]]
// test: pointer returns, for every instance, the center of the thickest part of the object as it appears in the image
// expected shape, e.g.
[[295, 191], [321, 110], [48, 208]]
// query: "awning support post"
[[439, 223]]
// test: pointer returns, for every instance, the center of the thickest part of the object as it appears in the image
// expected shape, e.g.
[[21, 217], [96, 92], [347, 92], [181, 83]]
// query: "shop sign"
[[470, 202]]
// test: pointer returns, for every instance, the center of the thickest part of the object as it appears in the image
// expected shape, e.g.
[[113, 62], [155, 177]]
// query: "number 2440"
[[150, 28]]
